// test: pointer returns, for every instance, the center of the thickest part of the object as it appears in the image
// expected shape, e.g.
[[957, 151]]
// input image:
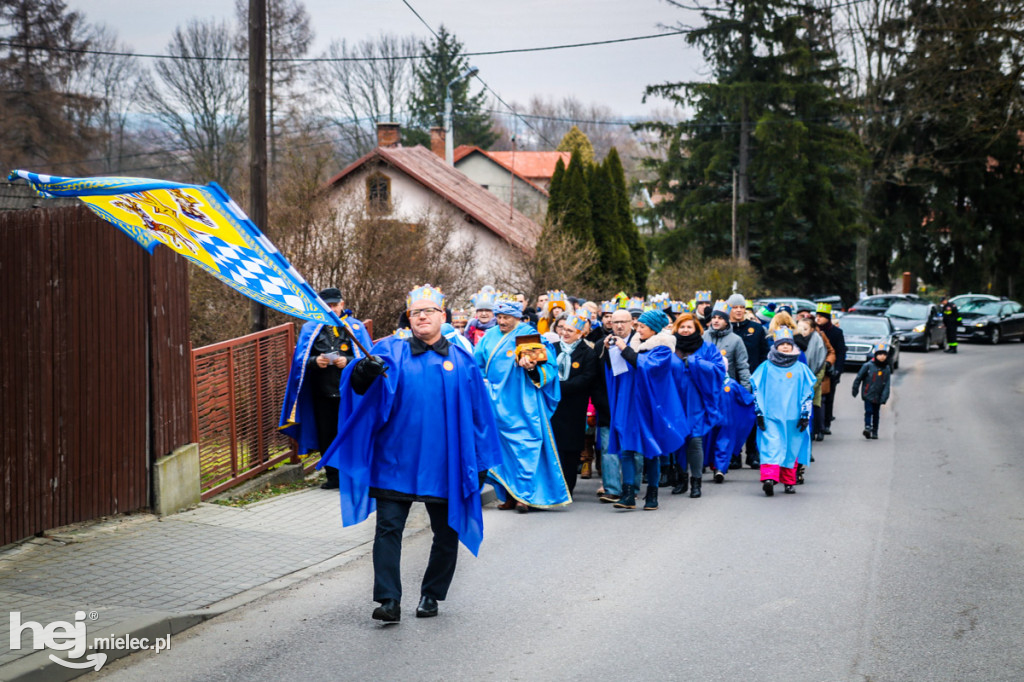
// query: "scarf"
[[689, 344], [477, 324], [565, 358], [780, 359], [719, 333], [802, 341]]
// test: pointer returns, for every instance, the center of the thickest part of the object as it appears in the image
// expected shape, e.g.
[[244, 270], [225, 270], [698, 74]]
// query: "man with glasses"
[[525, 392], [417, 427], [310, 410]]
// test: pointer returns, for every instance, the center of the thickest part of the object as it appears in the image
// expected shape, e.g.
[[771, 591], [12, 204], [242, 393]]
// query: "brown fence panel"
[[79, 408], [238, 387]]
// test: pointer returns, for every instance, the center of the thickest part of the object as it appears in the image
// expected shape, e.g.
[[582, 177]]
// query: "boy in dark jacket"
[[875, 375]]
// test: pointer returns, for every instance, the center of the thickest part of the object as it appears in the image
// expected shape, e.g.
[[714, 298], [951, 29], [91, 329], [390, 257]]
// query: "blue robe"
[[783, 395], [647, 412], [426, 429], [529, 470], [700, 381], [297, 417], [737, 419]]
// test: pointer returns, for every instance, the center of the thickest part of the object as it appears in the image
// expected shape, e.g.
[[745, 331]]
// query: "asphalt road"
[[900, 559]]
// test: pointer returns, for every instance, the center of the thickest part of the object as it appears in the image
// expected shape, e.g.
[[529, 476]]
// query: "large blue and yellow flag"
[[203, 224]]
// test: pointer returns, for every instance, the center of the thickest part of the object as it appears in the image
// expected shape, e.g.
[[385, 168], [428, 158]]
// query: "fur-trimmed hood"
[[662, 338]]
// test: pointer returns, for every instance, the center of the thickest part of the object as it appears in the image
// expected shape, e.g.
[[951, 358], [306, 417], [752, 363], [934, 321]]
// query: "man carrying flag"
[[415, 425], [310, 410]]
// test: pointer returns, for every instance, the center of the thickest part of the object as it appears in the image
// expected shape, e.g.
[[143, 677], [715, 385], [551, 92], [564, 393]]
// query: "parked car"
[[877, 305], [835, 301], [919, 324], [963, 299], [864, 332], [991, 321], [797, 304]]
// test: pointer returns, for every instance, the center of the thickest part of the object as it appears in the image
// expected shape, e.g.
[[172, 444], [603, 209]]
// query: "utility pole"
[[734, 214], [258, 135], [449, 138]]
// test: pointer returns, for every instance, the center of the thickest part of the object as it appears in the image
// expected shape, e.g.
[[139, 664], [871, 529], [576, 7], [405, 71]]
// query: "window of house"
[[378, 193]]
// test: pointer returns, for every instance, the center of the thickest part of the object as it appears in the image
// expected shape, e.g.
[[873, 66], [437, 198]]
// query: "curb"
[[39, 667]]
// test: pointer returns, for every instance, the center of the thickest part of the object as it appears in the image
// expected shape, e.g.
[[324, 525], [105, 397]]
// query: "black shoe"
[[694, 487], [427, 607], [790, 490], [819, 436], [826, 431], [683, 485], [800, 474], [606, 498], [651, 499], [719, 477], [756, 464], [389, 611], [329, 485], [663, 479], [628, 498], [736, 463], [768, 487], [866, 432], [874, 434]]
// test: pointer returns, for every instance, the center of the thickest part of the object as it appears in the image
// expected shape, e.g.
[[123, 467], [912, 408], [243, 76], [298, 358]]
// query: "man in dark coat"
[[755, 338], [838, 340], [951, 319], [577, 373]]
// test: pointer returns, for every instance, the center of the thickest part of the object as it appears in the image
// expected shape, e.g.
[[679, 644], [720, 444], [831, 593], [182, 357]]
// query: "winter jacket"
[[734, 351], [756, 341], [876, 381]]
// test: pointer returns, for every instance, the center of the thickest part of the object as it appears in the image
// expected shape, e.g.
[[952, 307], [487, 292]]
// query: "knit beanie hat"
[[655, 319], [721, 309], [736, 301]]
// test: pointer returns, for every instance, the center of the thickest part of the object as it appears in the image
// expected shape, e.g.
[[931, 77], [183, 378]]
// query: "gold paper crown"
[[425, 293]]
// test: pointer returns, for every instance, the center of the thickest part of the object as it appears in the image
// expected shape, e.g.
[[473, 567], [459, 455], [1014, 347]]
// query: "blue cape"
[[425, 429], [647, 413], [782, 396], [297, 416], [529, 471], [700, 382], [738, 418]]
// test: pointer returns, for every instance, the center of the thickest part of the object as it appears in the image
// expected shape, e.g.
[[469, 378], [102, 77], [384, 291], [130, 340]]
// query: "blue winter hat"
[[721, 309], [508, 308], [655, 319], [783, 335]]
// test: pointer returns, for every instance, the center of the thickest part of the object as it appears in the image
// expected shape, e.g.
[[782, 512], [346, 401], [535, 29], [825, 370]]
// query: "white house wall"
[[497, 180]]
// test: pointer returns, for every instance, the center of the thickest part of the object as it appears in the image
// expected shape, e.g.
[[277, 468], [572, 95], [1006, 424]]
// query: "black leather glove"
[[365, 372], [760, 422], [853, 390], [802, 424], [482, 476], [828, 368]]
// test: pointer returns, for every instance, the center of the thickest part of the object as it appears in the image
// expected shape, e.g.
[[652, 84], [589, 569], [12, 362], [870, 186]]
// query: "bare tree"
[[370, 83], [200, 97], [560, 261]]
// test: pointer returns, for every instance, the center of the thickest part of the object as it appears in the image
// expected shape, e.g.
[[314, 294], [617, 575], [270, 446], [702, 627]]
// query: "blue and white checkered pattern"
[[251, 275]]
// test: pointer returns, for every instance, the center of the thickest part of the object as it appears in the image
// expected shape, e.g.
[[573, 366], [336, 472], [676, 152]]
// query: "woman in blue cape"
[[524, 396], [783, 394], [699, 376], [647, 415], [415, 425]]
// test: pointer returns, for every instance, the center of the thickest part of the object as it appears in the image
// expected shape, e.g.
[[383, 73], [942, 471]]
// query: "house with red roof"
[[502, 181], [405, 183]]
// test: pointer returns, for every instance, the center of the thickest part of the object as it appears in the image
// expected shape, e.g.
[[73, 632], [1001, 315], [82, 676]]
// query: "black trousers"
[[326, 412], [570, 461], [827, 401], [753, 455], [387, 551]]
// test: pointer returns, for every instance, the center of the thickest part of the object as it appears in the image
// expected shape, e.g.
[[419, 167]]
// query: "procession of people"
[[653, 392]]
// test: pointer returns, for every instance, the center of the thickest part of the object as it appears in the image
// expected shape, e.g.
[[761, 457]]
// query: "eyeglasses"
[[423, 312]]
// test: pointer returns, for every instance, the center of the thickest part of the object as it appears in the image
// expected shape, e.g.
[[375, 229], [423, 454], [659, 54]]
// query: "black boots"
[[768, 487], [389, 611], [683, 485], [790, 489], [628, 498], [651, 499], [694, 486], [800, 469], [867, 432], [874, 434]]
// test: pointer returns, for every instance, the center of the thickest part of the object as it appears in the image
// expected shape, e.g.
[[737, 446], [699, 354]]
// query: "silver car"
[[863, 333]]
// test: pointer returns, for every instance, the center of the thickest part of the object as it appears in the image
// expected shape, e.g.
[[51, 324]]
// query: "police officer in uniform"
[[951, 318]]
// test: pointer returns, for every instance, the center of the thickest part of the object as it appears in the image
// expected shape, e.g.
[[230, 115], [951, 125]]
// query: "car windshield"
[[908, 311], [982, 307], [862, 327], [873, 303]]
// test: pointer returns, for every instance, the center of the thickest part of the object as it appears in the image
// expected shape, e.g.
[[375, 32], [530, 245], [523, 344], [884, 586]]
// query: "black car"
[[877, 305], [991, 321], [863, 333], [919, 324]]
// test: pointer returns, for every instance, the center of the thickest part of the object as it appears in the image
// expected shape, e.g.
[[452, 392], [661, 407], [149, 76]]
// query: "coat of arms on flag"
[[203, 224]]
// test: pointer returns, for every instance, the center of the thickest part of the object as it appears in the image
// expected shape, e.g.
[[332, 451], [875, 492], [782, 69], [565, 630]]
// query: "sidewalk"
[[147, 577]]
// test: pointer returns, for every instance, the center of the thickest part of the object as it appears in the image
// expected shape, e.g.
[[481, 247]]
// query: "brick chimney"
[[437, 140], [388, 134]]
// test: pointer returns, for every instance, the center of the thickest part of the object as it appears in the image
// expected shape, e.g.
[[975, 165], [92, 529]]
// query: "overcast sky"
[[614, 75]]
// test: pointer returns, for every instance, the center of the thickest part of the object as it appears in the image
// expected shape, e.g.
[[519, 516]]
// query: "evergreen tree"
[[575, 197], [772, 115], [576, 142], [556, 204], [629, 235], [471, 124], [614, 262]]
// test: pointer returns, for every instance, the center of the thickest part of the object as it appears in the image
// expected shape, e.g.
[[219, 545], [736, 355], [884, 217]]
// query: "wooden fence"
[[94, 368]]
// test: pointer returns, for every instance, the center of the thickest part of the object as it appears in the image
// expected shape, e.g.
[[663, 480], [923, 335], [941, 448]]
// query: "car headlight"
[[980, 324], [920, 328]]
